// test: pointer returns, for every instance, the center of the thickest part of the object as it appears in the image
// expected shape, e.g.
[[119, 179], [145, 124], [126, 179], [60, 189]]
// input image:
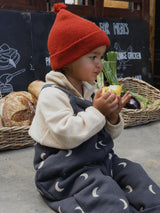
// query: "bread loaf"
[[2, 100], [18, 109], [28, 95], [1, 124], [35, 87]]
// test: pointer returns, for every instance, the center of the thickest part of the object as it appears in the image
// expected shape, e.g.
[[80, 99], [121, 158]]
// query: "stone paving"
[[17, 190]]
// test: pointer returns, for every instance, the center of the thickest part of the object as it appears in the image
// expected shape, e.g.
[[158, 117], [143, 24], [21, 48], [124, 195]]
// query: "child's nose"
[[99, 63]]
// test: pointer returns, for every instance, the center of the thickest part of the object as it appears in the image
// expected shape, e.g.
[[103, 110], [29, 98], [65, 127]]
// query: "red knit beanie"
[[72, 37]]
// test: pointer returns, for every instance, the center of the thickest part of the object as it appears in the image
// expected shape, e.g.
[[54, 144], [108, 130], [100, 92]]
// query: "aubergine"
[[133, 103]]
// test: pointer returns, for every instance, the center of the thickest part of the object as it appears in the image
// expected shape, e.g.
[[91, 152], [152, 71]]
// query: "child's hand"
[[110, 105], [125, 99], [107, 103], [114, 117]]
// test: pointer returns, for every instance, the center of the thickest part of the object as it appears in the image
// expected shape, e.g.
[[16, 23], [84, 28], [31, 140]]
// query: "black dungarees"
[[91, 178]]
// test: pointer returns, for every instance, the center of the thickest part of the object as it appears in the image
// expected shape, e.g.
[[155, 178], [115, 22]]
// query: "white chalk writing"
[[129, 55], [105, 27], [120, 29], [125, 56], [47, 61]]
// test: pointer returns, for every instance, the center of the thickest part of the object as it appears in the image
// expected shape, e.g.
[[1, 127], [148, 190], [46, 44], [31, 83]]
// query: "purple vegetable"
[[133, 103]]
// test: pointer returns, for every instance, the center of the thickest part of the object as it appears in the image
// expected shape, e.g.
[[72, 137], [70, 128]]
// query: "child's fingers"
[[98, 93], [106, 95], [125, 98], [110, 97]]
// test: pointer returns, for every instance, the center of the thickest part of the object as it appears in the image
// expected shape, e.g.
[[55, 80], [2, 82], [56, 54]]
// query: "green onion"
[[112, 58], [100, 80], [111, 78]]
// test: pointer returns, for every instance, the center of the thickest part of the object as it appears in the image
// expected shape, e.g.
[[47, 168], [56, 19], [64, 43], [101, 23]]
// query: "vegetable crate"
[[134, 117], [14, 138]]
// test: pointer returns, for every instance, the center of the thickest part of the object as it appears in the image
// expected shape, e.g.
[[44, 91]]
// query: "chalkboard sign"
[[24, 55], [129, 37], [15, 51], [41, 25]]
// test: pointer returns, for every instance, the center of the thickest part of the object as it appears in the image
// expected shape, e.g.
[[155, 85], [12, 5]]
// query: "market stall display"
[[144, 105], [17, 108]]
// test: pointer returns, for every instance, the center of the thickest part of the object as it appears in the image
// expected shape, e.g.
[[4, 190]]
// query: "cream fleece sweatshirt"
[[54, 123]]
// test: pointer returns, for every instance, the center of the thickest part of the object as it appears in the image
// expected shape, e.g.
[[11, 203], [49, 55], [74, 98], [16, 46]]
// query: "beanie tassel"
[[58, 6]]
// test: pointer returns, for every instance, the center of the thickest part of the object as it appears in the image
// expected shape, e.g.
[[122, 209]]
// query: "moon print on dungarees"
[[129, 188], [43, 156], [79, 208], [59, 209], [151, 189], [94, 192], [110, 156], [41, 164], [85, 175], [125, 203], [69, 153], [124, 164], [102, 144], [58, 189], [141, 209], [99, 143]]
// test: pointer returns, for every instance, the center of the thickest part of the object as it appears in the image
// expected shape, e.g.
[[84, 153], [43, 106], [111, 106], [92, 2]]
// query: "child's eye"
[[93, 57]]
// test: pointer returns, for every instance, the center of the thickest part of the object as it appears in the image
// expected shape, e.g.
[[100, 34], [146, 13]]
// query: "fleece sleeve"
[[115, 130], [66, 130]]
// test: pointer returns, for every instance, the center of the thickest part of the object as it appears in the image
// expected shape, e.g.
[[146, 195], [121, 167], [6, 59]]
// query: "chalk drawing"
[[9, 57], [31, 67], [5, 87]]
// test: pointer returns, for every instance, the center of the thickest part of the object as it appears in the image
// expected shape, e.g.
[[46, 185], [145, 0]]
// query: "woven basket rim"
[[15, 138], [14, 128], [139, 81], [134, 117]]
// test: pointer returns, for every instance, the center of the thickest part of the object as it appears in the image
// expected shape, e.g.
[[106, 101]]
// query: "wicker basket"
[[134, 117], [14, 138]]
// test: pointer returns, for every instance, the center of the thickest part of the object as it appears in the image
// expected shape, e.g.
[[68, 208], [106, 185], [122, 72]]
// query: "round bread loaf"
[[35, 87], [2, 100], [1, 124], [18, 109]]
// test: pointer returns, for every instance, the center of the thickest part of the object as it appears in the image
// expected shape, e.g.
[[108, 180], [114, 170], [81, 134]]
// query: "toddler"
[[76, 167]]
